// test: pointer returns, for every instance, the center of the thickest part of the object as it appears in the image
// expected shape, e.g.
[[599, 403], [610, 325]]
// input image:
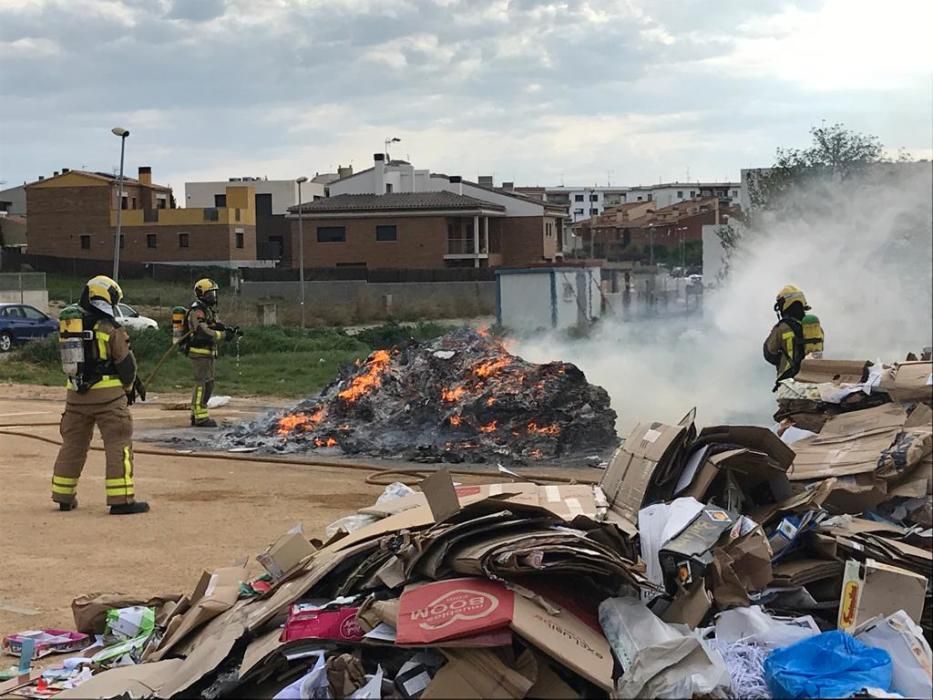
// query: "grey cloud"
[[212, 79], [196, 10]]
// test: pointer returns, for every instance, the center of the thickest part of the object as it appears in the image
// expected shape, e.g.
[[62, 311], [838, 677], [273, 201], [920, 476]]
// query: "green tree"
[[835, 152]]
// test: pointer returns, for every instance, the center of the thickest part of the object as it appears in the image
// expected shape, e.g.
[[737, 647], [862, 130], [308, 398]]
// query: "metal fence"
[[22, 281]]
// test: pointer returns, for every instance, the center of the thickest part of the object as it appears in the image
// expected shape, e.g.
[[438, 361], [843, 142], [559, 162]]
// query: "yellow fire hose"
[[174, 346], [380, 476]]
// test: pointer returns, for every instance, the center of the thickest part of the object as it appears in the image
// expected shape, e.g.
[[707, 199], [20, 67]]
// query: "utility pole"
[[301, 252], [122, 133]]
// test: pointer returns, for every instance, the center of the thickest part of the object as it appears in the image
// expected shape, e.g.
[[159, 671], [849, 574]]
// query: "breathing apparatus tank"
[[71, 342], [178, 324]]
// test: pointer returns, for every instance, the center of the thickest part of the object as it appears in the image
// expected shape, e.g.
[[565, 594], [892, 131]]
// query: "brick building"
[[393, 216], [74, 215], [629, 231]]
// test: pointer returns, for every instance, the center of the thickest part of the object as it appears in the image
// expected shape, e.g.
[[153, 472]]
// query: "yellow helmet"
[[205, 289], [787, 296], [101, 293]]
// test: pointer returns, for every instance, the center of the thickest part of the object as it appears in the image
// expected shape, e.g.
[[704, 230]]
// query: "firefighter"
[[796, 335], [102, 383], [205, 331]]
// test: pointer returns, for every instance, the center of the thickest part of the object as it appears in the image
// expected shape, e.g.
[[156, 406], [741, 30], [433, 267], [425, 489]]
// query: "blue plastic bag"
[[829, 665]]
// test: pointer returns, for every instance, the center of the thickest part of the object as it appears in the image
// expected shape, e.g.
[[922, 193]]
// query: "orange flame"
[[329, 442], [483, 331], [490, 401], [455, 420], [488, 428], [368, 380], [302, 421], [552, 429], [452, 395], [490, 367]]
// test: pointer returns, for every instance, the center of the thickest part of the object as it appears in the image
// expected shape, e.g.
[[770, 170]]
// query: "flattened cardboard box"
[[460, 607], [216, 592], [872, 588], [522, 492], [833, 371], [285, 554], [909, 381], [850, 443], [650, 447]]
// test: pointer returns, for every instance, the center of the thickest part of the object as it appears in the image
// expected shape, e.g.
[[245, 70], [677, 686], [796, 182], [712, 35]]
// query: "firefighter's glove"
[[232, 332], [140, 389]]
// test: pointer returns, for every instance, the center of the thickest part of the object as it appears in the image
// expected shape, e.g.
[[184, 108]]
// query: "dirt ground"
[[205, 512]]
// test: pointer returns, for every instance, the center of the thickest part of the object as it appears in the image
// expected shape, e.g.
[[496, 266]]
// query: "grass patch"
[[149, 292], [273, 361]]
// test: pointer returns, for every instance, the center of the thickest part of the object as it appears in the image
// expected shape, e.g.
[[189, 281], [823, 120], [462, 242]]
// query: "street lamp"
[[301, 252], [387, 142], [122, 133]]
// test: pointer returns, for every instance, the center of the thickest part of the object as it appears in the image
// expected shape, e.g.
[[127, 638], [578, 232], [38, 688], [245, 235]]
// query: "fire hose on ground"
[[380, 476]]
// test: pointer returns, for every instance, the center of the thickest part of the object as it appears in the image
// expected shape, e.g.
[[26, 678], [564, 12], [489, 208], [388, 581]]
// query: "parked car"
[[20, 323], [129, 318]]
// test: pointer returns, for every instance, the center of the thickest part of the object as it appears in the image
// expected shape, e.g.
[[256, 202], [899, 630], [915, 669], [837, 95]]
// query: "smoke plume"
[[861, 250]]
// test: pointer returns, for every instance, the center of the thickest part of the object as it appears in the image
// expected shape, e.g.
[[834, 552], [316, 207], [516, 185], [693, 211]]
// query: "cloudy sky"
[[536, 91]]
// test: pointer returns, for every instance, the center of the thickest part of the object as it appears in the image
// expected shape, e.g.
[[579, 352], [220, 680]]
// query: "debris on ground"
[[727, 561], [459, 398]]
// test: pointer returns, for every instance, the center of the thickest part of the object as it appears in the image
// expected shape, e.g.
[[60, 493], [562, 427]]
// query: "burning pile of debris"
[[730, 561], [459, 398]]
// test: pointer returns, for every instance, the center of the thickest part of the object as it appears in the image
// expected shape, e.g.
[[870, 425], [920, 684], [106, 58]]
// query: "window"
[[578, 212], [85, 242], [693, 193], [387, 233], [594, 212], [594, 197], [680, 194], [211, 215], [578, 198], [220, 200], [735, 194], [239, 240], [264, 205], [161, 203], [124, 202], [331, 234], [236, 214], [639, 198], [183, 240], [388, 188], [650, 195], [33, 314], [134, 202], [150, 240]]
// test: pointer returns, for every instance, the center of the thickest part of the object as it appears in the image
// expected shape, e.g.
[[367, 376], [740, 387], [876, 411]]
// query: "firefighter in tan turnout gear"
[[205, 331], [796, 335], [102, 383]]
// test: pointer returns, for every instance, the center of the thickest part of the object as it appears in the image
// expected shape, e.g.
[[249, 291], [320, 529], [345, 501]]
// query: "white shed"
[[535, 298]]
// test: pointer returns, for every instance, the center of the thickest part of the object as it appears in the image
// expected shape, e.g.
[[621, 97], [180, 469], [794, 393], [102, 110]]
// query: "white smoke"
[[862, 251]]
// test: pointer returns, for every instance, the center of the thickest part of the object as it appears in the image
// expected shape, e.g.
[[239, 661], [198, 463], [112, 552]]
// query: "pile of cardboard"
[[525, 590]]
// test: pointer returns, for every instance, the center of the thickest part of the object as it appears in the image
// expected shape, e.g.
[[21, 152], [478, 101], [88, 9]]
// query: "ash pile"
[[460, 398]]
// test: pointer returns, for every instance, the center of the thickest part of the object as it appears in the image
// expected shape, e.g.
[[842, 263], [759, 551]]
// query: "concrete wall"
[[405, 295], [524, 300], [37, 297], [17, 198], [402, 178]]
